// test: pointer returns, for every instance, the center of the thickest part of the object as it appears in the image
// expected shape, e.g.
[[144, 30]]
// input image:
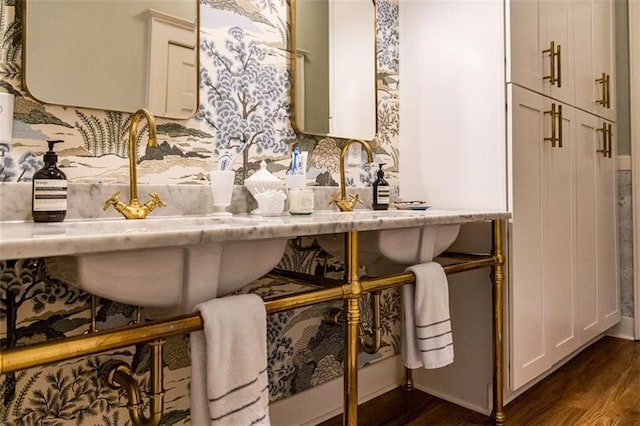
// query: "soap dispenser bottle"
[[381, 191], [49, 190]]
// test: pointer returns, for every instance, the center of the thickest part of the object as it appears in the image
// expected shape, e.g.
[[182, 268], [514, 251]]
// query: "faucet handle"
[[155, 199], [113, 201]]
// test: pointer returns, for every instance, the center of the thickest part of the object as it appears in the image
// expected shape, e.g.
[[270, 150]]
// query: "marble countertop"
[[23, 239]]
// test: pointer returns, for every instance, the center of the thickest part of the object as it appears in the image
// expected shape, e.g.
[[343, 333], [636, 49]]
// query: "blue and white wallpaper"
[[244, 107]]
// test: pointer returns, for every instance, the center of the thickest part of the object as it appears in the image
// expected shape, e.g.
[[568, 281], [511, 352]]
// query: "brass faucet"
[[134, 210], [344, 204]]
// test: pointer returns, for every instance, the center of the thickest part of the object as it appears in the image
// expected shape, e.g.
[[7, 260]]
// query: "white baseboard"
[[623, 330], [623, 162], [324, 401]]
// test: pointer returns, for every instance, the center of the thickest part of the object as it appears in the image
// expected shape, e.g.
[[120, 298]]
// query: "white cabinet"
[[540, 46], [543, 288], [564, 49], [594, 56], [603, 37], [562, 279], [563, 286]]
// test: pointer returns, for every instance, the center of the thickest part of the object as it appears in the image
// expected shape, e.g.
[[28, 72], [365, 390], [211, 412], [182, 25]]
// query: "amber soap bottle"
[[49, 190], [381, 191]]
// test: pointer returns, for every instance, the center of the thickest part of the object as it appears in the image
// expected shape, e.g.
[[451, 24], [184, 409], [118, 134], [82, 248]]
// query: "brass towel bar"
[[350, 291], [73, 347]]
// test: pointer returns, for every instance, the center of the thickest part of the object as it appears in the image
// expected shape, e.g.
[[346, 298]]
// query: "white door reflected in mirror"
[[113, 55], [334, 67]]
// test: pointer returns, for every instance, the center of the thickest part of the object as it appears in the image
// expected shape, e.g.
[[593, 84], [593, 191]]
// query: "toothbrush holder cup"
[[221, 189]]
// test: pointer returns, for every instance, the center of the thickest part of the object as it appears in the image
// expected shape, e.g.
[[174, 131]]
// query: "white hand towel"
[[229, 381], [426, 339]]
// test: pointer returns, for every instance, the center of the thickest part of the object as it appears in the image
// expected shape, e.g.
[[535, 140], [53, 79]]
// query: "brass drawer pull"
[[607, 137], [556, 66], [555, 128]]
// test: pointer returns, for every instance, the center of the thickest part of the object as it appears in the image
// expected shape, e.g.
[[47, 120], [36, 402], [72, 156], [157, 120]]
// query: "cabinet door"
[[587, 145], [585, 85], [604, 55], [558, 234], [528, 350], [556, 25], [542, 286], [533, 26], [607, 263], [524, 52], [598, 292]]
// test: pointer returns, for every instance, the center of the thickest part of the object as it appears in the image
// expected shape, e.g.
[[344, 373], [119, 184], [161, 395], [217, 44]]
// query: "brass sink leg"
[[497, 414], [118, 374], [407, 381], [352, 308]]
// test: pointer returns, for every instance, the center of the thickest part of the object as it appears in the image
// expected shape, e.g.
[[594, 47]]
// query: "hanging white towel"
[[229, 381], [426, 339]]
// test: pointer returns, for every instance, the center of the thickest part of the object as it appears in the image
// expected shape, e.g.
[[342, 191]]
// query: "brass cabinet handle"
[[555, 113], [559, 79], [559, 124], [610, 138], [603, 81], [552, 139], [605, 147], [608, 92], [607, 136], [555, 77], [552, 57]]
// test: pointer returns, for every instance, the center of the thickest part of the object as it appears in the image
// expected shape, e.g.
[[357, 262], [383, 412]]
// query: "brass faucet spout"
[[342, 202], [133, 152], [134, 210]]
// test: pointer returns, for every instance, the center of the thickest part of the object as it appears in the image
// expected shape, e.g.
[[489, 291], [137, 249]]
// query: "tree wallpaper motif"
[[247, 98]]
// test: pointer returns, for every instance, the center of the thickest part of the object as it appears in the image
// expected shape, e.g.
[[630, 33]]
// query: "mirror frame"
[[292, 17], [23, 10]]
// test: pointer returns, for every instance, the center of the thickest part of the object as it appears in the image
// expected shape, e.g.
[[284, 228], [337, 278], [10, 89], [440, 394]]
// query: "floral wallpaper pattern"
[[245, 108]]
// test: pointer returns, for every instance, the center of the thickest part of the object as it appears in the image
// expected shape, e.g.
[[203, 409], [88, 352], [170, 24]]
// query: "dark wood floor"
[[601, 386]]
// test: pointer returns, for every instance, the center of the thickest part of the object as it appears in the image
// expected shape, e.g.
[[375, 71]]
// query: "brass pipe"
[[78, 346], [118, 375], [498, 280]]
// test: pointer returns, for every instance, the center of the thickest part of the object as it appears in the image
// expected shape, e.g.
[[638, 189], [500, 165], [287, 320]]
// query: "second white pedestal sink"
[[392, 250]]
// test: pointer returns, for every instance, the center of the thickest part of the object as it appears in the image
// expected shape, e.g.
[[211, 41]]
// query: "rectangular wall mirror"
[[113, 55], [334, 68]]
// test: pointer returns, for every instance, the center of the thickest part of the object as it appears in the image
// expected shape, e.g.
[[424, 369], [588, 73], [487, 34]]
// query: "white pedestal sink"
[[171, 278], [392, 250]]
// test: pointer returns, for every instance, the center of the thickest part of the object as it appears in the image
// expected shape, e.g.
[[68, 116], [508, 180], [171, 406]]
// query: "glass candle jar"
[[301, 201]]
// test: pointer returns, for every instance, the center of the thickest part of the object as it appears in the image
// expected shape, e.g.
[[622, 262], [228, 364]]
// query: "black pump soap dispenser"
[[49, 190], [381, 191]]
